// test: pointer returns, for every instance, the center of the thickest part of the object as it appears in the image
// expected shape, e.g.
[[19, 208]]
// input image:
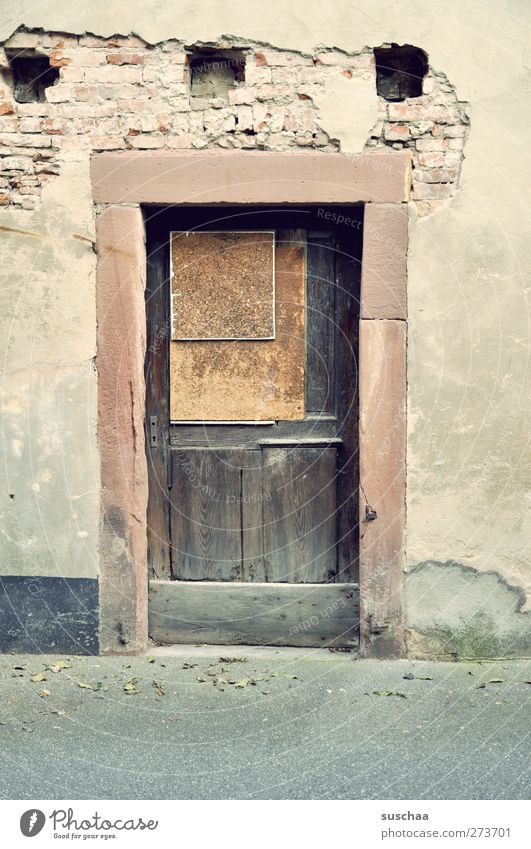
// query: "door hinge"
[[154, 430]]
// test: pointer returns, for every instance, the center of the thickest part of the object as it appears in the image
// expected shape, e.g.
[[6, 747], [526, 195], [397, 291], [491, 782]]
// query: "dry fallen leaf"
[[129, 686], [39, 676], [59, 712], [189, 665], [60, 664], [242, 683], [84, 686], [389, 693], [44, 694], [151, 660], [159, 689], [495, 681]]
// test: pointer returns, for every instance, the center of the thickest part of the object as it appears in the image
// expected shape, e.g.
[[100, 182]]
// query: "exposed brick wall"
[[120, 93], [434, 127]]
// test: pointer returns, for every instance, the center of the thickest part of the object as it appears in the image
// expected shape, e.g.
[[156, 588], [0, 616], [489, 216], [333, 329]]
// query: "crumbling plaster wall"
[[467, 513]]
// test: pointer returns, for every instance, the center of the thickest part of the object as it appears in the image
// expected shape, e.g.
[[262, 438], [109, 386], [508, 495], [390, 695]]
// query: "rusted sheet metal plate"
[[247, 380], [223, 285]]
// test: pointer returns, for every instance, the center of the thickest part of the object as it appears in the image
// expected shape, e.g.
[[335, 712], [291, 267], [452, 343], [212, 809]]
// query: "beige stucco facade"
[[467, 578]]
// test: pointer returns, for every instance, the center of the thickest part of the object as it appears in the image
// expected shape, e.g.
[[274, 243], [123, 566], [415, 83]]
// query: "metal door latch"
[[370, 514], [154, 430]]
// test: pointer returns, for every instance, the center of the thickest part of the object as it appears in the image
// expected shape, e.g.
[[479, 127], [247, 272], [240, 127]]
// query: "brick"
[[438, 175], [244, 118], [8, 124], [259, 116], [71, 75], [257, 75], [125, 59], [32, 109], [432, 159], [55, 126], [114, 74], [20, 140], [405, 112], [196, 122], [396, 132], [241, 96], [6, 107], [146, 142], [107, 142], [428, 144], [420, 129], [261, 59], [219, 122], [86, 58], [454, 132], [58, 59], [117, 92], [86, 92], [59, 93], [182, 141], [18, 163], [30, 125], [273, 92], [86, 110], [442, 114]]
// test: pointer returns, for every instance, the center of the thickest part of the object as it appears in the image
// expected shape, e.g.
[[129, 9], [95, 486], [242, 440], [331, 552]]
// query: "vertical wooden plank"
[[157, 402], [320, 293], [252, 518], [347, 279], [206, 515], [299, 507]]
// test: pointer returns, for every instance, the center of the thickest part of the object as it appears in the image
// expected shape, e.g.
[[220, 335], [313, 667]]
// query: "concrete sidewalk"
[[281, 724]]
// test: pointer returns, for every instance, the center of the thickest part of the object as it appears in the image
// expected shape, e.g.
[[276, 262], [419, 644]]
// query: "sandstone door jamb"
[[124, 181]]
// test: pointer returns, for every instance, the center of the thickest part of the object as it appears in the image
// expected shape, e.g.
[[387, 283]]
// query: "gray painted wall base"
[[41, 615], [254, 614]]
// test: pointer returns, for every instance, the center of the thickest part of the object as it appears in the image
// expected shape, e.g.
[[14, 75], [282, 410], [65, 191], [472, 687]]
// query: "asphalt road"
[[279, 725]]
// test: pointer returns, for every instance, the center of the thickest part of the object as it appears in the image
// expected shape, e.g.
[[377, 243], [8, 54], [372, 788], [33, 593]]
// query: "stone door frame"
[[121, 184]]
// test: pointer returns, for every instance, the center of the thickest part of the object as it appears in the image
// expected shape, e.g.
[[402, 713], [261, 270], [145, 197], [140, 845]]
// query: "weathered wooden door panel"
[[253, 456], [254, 614], [206, 516], [300, 514]]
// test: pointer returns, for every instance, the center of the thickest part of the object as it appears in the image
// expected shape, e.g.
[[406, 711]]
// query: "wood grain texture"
[[238, 381], [299, 506], [223, 285], [206, 515], [157, 404], [254, 614], [321, 331]]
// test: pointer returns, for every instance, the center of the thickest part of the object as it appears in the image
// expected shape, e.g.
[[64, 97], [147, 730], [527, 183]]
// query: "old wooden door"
[[252, 426]]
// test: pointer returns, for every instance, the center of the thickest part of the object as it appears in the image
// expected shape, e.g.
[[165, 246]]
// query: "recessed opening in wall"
[[214, 72], [400, 71], [29, 75]]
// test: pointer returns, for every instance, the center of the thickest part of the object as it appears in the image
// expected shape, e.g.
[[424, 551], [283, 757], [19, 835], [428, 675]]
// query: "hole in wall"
[[213, 73], [400, 71], [29, 75]]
